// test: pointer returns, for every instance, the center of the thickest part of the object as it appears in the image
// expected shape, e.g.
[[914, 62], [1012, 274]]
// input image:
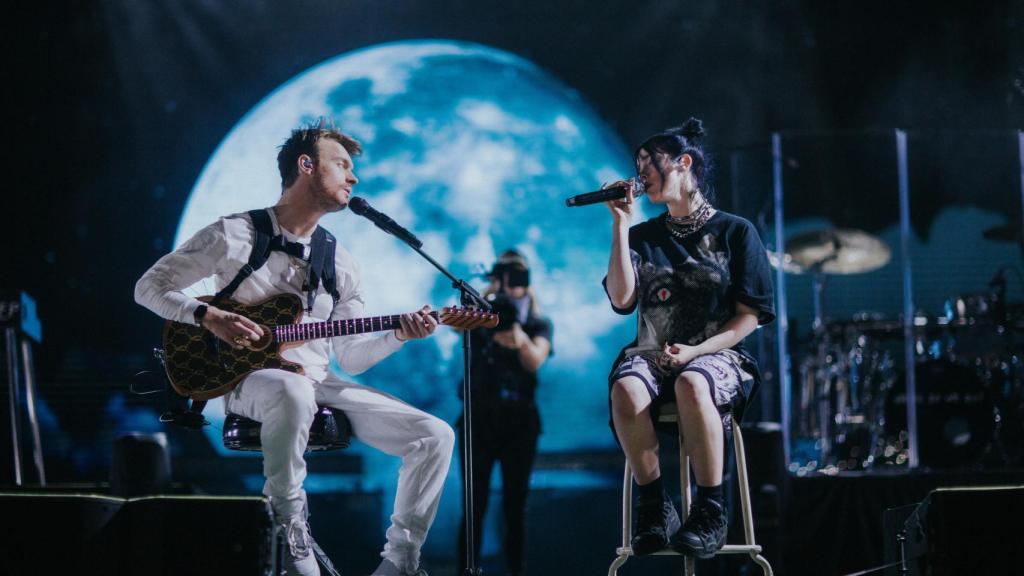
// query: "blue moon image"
[[474, 150]]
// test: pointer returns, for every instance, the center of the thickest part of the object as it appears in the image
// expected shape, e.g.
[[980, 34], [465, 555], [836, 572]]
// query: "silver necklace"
[[683, 226]]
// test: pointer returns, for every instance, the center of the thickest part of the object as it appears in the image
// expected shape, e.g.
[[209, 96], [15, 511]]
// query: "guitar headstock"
[[466, 318]]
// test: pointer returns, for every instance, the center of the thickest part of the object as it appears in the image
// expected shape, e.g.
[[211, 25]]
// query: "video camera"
[[505, 308], [508, 275]]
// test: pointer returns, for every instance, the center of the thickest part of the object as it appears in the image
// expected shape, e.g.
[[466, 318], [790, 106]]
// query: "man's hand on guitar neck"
[[232, 328], [417, 325]]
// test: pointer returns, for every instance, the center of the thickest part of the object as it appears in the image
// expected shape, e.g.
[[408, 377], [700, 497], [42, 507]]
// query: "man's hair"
[[304, 141]]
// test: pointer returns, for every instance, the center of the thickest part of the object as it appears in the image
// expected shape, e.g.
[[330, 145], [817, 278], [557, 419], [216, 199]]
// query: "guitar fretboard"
[[332, 328]]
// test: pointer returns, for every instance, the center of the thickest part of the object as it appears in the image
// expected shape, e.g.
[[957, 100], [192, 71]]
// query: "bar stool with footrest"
[[668, 414]]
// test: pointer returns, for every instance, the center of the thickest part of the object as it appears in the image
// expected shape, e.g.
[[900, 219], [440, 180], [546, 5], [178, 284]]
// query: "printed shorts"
[[724, 370]]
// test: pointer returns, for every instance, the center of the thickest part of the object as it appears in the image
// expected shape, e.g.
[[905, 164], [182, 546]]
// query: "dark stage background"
[[117, 106]]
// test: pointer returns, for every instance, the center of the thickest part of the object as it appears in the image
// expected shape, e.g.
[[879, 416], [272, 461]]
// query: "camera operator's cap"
[[513, 264]]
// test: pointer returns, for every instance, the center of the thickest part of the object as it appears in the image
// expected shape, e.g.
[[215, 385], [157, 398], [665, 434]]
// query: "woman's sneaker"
[[704, 531], [656, 522]]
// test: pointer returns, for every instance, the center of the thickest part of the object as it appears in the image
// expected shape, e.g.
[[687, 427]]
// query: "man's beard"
[[324, 200]]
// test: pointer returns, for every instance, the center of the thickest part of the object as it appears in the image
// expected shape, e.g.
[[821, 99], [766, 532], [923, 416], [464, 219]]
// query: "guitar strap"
[[321, 258], [321, 271], [321, 266], [257, 256]]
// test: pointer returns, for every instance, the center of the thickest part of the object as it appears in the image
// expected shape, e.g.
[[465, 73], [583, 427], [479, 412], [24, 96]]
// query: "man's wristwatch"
[[199, 312]]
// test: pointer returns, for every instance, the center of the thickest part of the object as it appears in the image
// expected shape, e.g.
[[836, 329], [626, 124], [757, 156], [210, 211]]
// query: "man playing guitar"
[[317, 177]]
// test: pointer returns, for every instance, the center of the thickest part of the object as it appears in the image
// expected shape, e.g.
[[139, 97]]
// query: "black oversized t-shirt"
[[687, 288]]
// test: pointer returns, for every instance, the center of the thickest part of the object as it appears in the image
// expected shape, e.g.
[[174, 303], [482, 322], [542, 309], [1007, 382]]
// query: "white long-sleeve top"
[[222, 248]]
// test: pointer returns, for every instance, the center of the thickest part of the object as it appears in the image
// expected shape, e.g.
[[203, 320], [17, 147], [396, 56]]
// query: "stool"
[[330, 430], [668, 414]]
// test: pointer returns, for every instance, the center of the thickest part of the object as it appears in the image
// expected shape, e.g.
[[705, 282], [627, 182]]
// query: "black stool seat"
[[330, 430]]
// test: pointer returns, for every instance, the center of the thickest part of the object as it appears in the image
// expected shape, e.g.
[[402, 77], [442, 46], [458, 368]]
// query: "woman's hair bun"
[[692, 129]]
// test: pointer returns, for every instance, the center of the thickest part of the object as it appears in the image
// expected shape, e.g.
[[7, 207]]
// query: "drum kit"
[[849, 397]]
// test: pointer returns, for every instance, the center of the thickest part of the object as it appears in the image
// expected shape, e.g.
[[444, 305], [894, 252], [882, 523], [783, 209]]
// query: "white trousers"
[[285, 404]]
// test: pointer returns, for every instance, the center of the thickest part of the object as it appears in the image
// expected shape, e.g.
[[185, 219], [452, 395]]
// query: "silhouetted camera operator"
[[506, 423]]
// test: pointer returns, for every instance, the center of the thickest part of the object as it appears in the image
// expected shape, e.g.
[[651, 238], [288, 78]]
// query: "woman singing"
[[700, 283]]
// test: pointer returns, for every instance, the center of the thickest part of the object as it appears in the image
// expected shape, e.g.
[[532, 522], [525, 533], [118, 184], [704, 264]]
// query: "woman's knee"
[[629, 395], [692, 389]]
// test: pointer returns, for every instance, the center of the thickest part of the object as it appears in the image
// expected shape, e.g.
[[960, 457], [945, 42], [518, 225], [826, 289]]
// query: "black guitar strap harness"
[[321, 258], [321, 271]]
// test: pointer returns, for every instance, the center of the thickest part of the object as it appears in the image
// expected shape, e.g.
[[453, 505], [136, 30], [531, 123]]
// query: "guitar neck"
[[332, 328]]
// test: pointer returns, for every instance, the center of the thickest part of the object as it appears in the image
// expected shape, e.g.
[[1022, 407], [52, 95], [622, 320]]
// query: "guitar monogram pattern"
[[201, 367]]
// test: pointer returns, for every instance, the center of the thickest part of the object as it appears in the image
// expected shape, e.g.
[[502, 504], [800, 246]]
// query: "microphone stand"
[[468, 297]]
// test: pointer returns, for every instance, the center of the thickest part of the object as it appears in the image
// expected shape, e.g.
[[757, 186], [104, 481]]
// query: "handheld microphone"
[[613, 193], [383, 221]]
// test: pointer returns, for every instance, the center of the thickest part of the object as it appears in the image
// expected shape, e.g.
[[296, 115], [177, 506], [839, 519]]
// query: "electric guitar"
[[201, 366]]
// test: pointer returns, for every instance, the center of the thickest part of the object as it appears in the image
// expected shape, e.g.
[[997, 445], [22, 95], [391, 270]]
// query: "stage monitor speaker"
[[964, 530], [141, 465], [86, 534]]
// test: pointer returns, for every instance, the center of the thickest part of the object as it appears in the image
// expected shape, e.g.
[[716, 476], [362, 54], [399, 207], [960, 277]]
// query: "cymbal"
[[788, 266], [837, 251]]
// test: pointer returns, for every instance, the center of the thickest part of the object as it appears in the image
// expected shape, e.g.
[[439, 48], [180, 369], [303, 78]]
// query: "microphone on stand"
[[383, 221], [605, 194]]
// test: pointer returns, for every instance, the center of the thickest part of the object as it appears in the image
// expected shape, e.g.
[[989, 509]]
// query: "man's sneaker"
[[703, 533], [656, 522], [388, 568], [298, 553]]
